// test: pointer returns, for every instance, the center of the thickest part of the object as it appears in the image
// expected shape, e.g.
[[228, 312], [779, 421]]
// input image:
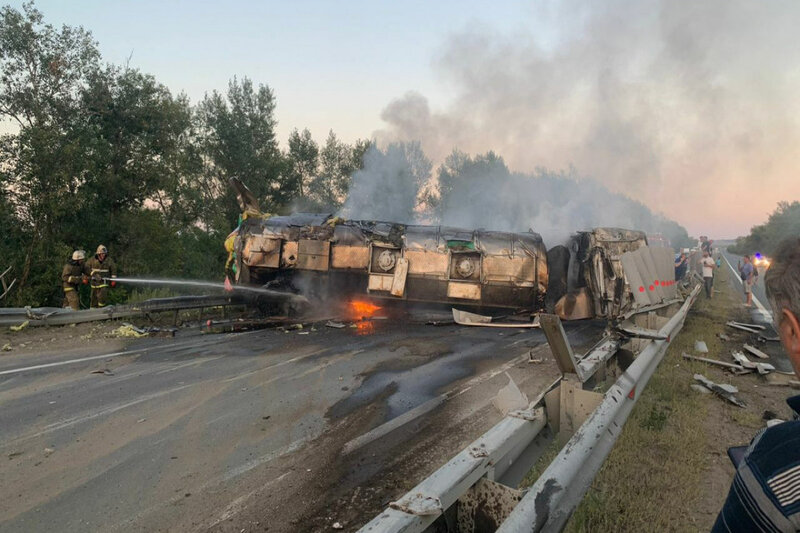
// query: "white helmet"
[[101, 250], [78, 255]]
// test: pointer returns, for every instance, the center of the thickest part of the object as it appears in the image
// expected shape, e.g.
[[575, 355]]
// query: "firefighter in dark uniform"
[[100, 268], [72, 275]]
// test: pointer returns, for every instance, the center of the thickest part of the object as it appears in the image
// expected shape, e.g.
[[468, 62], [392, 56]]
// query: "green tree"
[[43, 70], [237, 139], [783, 223], [338, 160], [303, 158]]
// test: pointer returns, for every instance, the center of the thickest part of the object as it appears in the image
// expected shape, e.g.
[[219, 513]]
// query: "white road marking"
[[766, 315], [102, 412], [162, 347]]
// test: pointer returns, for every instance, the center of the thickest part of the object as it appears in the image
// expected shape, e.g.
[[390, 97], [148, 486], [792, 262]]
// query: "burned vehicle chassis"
[[326, 256]]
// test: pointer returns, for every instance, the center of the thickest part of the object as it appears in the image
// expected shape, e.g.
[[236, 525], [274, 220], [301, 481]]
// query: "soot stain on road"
[[413, 386]]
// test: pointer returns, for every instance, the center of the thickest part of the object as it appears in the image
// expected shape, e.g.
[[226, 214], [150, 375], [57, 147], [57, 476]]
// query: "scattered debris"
[[763, 339], [14, 454], [736, 325], [294, 327], [20, 327], [782, 380], [723, 337], [303, 332], [7, 347], [128, 330], [510, 398], [335, 325], [755, 351], [700, 347], [48, 451], [721, 389], [337, 525], [738, 368], [699, 388], [440, 322], [746, 325], [465, 318], [762, 368], [104, 371], [141, 420]]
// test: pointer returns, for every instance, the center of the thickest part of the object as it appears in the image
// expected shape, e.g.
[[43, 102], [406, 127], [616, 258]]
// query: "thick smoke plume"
[[690, 108], [480, 192]]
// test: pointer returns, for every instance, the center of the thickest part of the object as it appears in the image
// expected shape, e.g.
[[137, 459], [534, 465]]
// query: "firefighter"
[[72, 275], [100, 268]]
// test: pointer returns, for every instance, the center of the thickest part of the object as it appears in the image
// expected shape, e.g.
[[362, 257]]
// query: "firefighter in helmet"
[[71, 276], [101, 269]]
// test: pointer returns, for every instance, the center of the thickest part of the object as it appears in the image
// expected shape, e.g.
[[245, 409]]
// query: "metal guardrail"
[[57, 316], [553, 497], [549, 503]]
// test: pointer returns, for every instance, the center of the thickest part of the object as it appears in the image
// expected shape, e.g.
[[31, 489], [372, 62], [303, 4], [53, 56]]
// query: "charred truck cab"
[[598, 274]]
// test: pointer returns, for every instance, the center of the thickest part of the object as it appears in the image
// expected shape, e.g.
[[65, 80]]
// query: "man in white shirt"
[[708, 272]]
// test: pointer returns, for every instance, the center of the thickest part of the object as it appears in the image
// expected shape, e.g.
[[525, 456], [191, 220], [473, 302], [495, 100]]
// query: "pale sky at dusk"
[[690, 108]]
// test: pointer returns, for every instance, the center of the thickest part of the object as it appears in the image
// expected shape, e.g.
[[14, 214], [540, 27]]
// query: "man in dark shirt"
[[765, 495]]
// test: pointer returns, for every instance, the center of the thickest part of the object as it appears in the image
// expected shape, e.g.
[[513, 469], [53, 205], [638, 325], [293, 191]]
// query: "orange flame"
[[361, 309]]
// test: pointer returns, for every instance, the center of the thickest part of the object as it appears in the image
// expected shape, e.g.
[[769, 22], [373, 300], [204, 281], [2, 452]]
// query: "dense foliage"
[[782, 224], [106, 154]]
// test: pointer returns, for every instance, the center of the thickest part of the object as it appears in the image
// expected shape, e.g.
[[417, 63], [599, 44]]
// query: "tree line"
[[106, 154], [103, 153], [783, 223]]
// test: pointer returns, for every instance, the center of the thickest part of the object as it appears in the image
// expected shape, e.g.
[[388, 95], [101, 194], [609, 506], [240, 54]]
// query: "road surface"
[[246, 432]]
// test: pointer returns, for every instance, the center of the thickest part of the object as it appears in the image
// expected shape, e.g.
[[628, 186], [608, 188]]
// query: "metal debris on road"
[[510, 398], [722, 390], [723, 337], [755, 351], [335, 325], [104, 371], [465, 318]]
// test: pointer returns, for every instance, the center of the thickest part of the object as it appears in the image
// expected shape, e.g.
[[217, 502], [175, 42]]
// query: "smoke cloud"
[[689, 108], [480, 191]]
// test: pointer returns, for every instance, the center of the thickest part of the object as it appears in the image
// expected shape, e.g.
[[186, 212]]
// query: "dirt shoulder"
[[669, 471]]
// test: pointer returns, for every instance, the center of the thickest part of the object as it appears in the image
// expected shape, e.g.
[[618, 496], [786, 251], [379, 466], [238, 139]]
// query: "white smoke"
[[687, 107]]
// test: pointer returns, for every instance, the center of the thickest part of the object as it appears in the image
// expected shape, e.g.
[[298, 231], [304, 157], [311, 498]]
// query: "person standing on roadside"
[[101, 269], [71, 277], [680, 267], [765, 493], [708, 272], [747, 272]]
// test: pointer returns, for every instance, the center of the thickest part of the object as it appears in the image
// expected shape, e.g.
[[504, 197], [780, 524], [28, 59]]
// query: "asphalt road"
[[245, 432]]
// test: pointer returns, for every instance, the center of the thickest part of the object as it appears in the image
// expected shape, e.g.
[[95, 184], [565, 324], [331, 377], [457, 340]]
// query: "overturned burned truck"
[[324, 254]]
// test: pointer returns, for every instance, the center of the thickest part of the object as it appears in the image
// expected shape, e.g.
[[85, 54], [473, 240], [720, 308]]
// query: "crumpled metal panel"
[[650, 275]]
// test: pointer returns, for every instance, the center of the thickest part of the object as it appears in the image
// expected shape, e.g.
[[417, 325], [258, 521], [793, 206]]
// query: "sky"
[[690, 108]]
